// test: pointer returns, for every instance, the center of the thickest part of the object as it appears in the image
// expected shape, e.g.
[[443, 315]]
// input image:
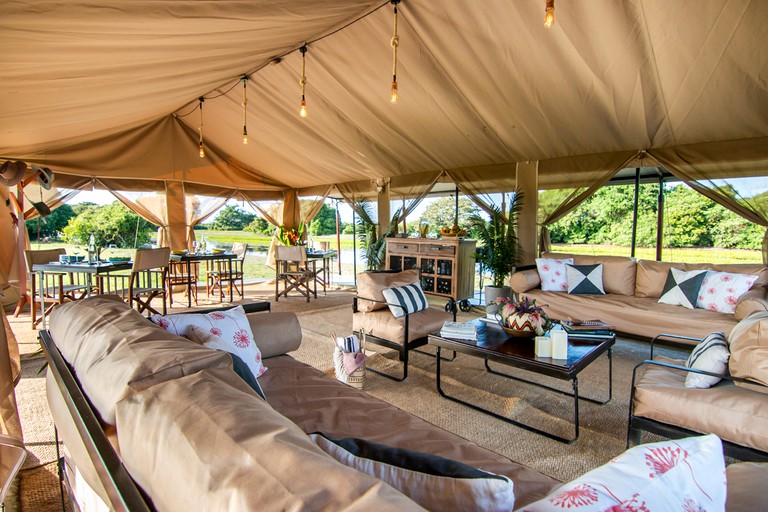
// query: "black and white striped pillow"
[[404, 300], [710, 355]]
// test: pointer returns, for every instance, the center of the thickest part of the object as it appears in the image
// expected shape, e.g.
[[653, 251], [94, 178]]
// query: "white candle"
[[543, 346], [559, 344]]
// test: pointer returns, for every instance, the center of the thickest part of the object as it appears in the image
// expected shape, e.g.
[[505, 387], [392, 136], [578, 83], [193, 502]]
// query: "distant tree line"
[[690, 219]]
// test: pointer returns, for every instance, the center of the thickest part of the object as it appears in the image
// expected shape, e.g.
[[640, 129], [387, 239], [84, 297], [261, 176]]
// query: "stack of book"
[[459, 331], [588, 329]]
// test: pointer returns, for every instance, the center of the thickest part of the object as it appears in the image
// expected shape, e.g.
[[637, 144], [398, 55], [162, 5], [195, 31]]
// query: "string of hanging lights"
[[549, 21]]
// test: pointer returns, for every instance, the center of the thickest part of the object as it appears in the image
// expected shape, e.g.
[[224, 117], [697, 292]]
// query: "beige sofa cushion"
[[752, 301], [525, 280], [748, 343], [733, 413], [618, 271], [317, 403], [384, 325], [746, 483], [208, 442], [113, 349], [275, 333], [371, 284], [651, 275]]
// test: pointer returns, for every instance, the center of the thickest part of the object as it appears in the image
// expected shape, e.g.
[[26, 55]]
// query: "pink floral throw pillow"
[[230, 326], [552, 274], [720, 291], [685, 474]]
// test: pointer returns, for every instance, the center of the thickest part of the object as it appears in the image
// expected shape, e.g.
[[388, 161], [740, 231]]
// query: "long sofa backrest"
[[651, 275], [618, 271]]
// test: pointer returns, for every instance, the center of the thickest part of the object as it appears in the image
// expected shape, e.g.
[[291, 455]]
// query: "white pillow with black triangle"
[[682, 288], [585, 279]]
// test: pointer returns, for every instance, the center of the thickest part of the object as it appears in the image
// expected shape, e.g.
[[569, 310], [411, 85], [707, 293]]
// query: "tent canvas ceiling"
[[102, 88]]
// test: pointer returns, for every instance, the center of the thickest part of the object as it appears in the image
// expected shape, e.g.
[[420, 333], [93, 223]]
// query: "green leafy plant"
[[500, 249], [374, 246]]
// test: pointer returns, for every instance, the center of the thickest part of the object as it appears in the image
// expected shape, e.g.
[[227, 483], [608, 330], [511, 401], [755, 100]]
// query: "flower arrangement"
[[290, 236], [522, 315]]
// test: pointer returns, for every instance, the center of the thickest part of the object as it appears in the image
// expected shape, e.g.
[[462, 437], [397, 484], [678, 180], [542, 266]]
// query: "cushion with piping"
[[552, 273], [710, 355], [405, 300], [682, 288], [720, 291], [685, 474], [585, 279], [434, 482]]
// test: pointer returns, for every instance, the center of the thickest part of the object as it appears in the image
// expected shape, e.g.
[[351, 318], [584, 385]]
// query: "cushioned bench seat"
[[319, 404], [734, 413]]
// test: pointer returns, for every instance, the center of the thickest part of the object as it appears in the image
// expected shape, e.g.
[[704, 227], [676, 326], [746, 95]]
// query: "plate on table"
[[119, 259]]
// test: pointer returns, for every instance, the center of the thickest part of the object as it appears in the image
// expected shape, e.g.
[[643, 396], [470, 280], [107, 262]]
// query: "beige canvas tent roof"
[[110, 89]]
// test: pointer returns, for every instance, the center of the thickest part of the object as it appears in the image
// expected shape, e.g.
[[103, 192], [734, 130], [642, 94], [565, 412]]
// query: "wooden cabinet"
[[447, 265]]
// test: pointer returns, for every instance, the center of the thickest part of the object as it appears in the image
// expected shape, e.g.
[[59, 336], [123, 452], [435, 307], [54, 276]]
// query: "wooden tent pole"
[[660, 219], [634, 211]]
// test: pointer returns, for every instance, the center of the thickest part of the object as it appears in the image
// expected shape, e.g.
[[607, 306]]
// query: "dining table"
[[188, 258], [89, 269]]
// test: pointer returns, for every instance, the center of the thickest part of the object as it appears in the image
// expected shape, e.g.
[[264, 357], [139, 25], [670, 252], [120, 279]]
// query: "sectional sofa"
[[153, 421], [632, 291]]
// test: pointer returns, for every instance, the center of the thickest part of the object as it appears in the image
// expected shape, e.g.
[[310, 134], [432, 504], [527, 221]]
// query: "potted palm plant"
[[373, 244], [499, 250]]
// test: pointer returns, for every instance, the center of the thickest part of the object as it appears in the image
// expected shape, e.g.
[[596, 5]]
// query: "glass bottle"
[[93, 255]]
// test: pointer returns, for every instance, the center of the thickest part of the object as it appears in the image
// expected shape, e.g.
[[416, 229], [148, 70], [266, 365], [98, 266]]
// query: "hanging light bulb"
[[549, 17], [202, 150], [395, 43], [303, 81], [245, 103]]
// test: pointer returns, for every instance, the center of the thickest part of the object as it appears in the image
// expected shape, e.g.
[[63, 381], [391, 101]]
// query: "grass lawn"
[[683, 255]]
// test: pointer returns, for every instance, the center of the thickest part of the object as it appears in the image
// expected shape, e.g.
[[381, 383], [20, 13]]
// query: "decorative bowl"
[[518, 334], [118, 259]]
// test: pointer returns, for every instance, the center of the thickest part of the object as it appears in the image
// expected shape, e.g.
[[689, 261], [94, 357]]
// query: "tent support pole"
[[354, 245], [456, 209], [660, 219], [338, 237], [634, 211]]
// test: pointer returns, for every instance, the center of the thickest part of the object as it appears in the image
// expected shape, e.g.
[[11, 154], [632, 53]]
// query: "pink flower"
[[691, 506], [712, 306], [564, 286], [241, 338], [725, 278], [545, 268], [711, 291], [661, 460], [731, 299], [216, 331], [558, 273], [162, 322], [729, 290], [579, 496], [216, 315], [701, 298]]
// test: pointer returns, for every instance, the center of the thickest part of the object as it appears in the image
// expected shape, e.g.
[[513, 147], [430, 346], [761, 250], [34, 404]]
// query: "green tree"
[[260, 225], [232, 218], [686, 216], [441, 213], [324, 222], [110, 224], [51, 226]]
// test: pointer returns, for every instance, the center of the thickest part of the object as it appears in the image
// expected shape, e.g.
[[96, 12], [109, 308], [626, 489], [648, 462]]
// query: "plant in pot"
[[374, 245], [499, 250]]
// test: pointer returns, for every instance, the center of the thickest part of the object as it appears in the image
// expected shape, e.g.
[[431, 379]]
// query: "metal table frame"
[[189, 258], [89, 269], [564, 370]]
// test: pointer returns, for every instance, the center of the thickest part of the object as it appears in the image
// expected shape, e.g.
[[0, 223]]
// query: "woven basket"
[[355, 379]]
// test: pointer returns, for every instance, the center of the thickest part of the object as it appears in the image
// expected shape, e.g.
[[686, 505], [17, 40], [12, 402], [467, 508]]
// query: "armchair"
[[661, 404], [371, 313]]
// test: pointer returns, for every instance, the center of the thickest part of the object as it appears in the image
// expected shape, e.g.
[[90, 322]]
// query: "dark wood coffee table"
[[493, 344]]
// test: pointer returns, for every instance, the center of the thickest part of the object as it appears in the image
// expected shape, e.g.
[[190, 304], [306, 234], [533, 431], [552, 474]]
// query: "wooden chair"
[[149, 277], [216, 278], [56, 288], [177, 275], [292, 269]]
